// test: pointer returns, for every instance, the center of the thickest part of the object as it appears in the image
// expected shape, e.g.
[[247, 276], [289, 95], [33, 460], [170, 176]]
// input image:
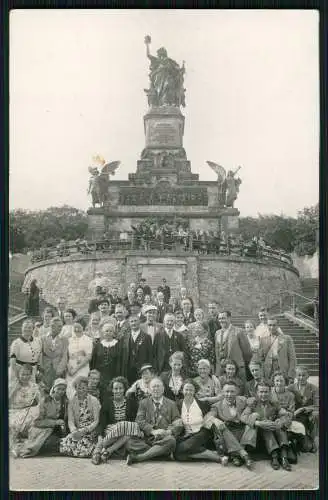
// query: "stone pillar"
[[164, 128], [96, 226]]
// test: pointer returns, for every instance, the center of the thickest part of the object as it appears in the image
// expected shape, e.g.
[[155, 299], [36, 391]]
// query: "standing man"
[[188, 316], [146, 288], [184, 295], [114, 298], [122, 325], [61, 308], [94, 303], [162, 307], [135, 350], [158, 417], [165, 289], [151, 327], [231, 343], [167, 341], [277, 352], [213, 324], [104, 307]]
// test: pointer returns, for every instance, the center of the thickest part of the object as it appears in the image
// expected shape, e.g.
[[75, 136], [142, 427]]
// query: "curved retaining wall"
[[237, 283]]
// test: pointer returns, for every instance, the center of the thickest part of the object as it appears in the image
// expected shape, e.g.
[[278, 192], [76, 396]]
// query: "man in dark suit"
[[146, 288], [61, 308], [264, 417], [225, 416], [94, 303], [166, 342], [151, 326], [188, 316], [213, 324], [134, 351], [162, 307], [159, 419], [256, 370], [184, 295], [114, 298], [130, 301], [231, 343], [122, 326], [165, 289]]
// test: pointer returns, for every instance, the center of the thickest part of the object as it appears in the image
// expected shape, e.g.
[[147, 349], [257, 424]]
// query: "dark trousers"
[[140, 445], [191, 444], [273, 440]]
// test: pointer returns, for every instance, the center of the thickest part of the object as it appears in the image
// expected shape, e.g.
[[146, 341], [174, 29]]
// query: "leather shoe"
[[285, 464], [249, 463], [96, 458], [275, 463], [237, 461], [130, 459]]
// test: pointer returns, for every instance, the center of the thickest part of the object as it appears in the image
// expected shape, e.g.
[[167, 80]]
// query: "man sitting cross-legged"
[[225, 419], [159, 419], [270, 421]]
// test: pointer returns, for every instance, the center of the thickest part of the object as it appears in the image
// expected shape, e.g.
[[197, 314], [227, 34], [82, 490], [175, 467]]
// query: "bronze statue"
[[98, 182], [166, 79], [228, 185]]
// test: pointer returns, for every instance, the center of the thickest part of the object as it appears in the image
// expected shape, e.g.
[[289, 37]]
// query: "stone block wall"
[[240, 284]]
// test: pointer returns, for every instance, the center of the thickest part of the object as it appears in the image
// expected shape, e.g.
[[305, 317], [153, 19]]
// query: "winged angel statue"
[[98, 183], [228, 185]]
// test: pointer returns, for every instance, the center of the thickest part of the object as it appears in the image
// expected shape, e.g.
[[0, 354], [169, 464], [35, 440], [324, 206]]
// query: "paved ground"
[[61, 473]]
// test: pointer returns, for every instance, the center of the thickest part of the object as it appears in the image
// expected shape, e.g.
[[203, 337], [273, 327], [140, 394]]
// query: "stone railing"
[[175, 244]]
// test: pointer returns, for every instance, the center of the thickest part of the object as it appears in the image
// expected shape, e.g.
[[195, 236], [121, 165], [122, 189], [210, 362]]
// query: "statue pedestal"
[[164, 128]]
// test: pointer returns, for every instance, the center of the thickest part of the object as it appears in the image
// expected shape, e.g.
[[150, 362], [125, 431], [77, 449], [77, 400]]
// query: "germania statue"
[[166, 79]]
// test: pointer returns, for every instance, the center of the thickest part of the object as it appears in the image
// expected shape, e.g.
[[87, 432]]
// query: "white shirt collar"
[[135, 334], [160, 401]]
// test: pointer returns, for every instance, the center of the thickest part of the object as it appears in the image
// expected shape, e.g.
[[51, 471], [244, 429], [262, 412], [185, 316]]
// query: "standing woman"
[[199, 324], [83, 419], [23, 399], [105, 355], [47, 316], [32, 303], [252, 337], [117, 422], [69, 319], [79, 356], [51, 425], [199, 346], [25, 350], [54, 353]]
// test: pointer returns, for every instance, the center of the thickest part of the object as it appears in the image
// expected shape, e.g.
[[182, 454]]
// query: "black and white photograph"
[[163, 310]]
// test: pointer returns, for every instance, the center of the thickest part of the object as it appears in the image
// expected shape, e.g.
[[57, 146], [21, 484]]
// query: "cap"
[[149, 308], [145, 367]]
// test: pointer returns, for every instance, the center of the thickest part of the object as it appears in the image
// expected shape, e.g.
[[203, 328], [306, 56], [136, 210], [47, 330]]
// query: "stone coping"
[[122, 254]]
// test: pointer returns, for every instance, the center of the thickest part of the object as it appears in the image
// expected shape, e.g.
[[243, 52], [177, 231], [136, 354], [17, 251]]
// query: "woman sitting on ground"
[[23, 399], [209, 388], [83, 420], [51, 425], [173, 379], [117, 423], [231, 375], [140, 388], [192, 443]]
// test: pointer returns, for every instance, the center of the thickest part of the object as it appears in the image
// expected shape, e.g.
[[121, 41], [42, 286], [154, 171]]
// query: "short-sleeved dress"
[[208, 389], [25, 352]]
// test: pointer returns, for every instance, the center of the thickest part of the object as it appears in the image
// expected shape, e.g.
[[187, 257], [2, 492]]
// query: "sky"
[[252, 99]]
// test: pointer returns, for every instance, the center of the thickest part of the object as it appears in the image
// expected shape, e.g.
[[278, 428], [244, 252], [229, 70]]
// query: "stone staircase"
[[309, 287], [306, 343]]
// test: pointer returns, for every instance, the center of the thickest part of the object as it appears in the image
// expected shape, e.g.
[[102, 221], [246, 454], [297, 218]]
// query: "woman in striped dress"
[[116, 424]]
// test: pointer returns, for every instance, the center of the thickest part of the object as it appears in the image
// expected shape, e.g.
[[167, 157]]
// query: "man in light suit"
[[231, 343], [277, 352], [159, 419], [151, 327], [166, 342], [229, 429]]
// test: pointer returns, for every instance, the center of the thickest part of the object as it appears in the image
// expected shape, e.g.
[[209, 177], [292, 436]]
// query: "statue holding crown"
[[166, 79]]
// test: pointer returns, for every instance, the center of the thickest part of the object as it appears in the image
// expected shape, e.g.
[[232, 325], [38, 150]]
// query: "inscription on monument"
[[163, 196], [163, 134]]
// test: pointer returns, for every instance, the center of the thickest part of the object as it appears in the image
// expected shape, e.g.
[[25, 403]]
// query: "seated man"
[[270, 421], [307, 407], [159, 419], [225, 417]]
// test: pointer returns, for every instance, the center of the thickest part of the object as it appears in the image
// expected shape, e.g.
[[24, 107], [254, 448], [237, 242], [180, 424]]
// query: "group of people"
[[148, 375]]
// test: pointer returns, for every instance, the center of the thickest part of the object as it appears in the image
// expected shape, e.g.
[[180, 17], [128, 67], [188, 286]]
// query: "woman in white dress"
[[253, 338], [69, 319], [79, 356], [44, 328], [25, 350]]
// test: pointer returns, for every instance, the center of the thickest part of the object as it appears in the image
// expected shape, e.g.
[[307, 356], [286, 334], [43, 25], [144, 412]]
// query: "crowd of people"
[[149, 375], [167, 237]]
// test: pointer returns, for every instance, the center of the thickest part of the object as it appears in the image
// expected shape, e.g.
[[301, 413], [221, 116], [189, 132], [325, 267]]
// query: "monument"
[[163, 184]]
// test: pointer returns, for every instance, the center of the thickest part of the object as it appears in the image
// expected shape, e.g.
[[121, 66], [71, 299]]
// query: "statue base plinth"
[[164, 128]]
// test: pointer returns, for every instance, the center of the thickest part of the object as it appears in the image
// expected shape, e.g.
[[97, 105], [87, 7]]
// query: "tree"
[[30, 230], [306, 230]]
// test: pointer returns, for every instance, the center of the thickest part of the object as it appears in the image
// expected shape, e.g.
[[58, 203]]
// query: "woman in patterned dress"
[[199, 346], [83, 420], [209, 387], [24, 396], [79, 356], [173, 379], [117, 422], [25, 350], [140, 388], [50, 425], [199, 325]]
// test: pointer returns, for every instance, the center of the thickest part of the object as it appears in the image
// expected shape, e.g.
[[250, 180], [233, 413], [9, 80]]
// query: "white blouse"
[[193, 418]]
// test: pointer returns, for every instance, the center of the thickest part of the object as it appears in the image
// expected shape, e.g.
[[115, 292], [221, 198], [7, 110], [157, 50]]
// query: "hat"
[[147, 366], [149, 308], [57, 382]]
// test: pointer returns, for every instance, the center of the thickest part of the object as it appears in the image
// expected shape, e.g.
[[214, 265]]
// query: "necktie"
[[157, 413]]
